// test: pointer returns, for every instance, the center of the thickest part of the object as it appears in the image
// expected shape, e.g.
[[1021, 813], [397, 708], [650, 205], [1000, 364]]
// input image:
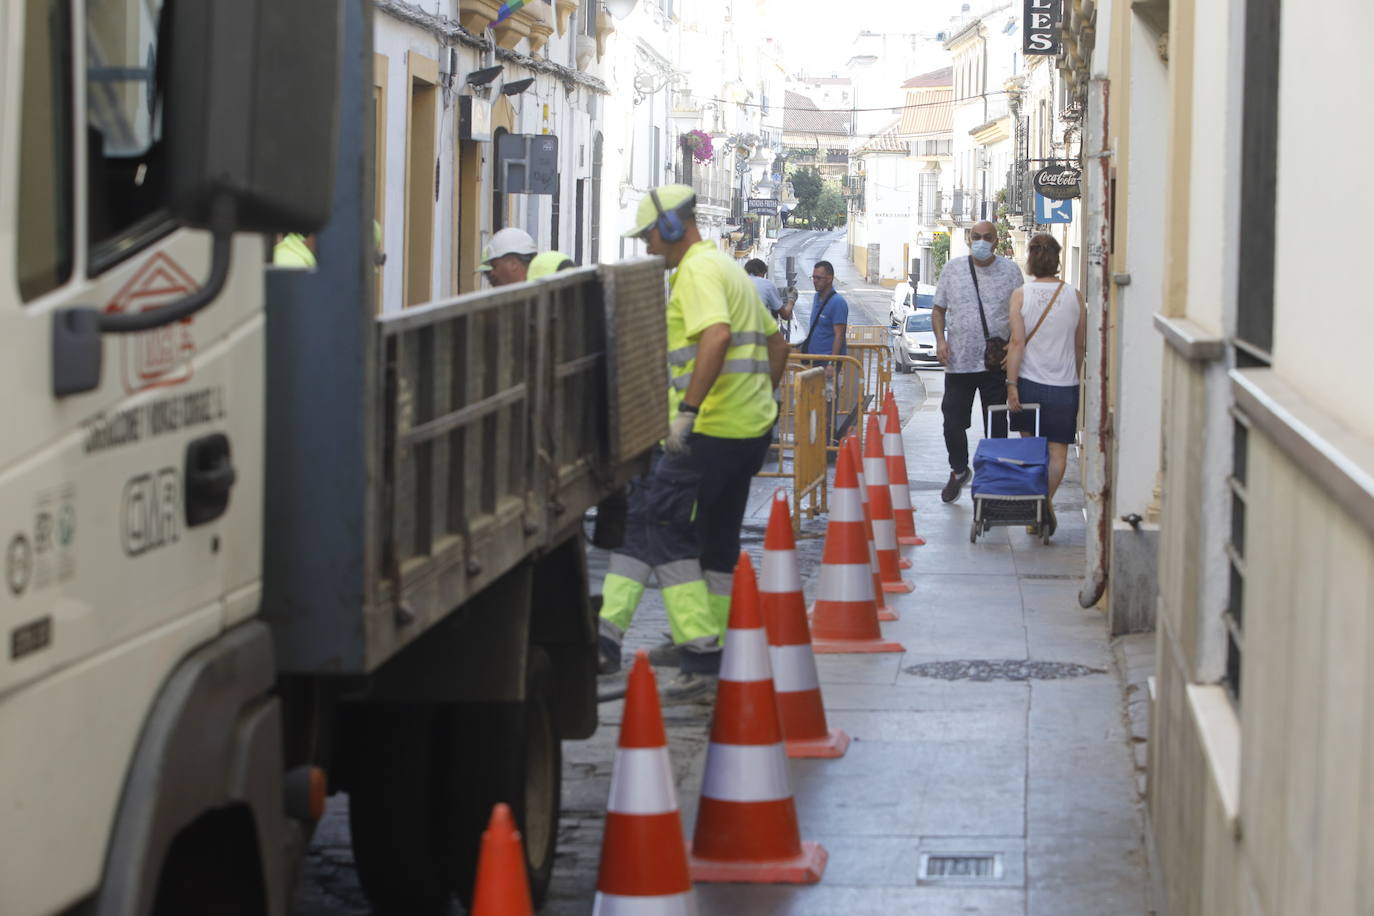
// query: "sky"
[[812, 36]]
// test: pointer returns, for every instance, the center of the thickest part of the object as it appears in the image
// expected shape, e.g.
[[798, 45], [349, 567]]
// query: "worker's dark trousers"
[[957, 407], [683, 526]]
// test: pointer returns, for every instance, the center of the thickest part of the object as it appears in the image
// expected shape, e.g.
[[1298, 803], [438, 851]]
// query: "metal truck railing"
[[800, 448]]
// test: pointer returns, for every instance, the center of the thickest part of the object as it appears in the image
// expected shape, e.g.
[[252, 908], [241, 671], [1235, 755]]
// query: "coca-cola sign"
[[1058, 182]]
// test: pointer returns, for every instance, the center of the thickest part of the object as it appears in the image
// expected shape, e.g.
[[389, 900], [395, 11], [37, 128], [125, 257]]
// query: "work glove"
[[679, 429]]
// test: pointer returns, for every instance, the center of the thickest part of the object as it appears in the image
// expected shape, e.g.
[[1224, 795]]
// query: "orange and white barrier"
[[643, 856], [885, 613], [746, 828], [503, 887], [844, 617], [897, 480], [880, 499], [795, 681]]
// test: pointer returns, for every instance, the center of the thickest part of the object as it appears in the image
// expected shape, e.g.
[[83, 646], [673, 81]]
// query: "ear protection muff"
[[669, 224]]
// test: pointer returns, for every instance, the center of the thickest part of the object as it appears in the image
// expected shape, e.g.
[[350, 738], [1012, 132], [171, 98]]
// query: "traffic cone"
[[795, 680], [502, 888], [643, 857], [747, 821], [844, 617], [897, 481], [885, 613], [880, 499]]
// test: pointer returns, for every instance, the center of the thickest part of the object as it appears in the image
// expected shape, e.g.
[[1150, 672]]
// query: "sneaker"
[[665, 655], [690, 687], [957, 479], [608, 655]]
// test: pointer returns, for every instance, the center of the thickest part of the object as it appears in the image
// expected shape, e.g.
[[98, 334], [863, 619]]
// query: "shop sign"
[[1041, 27], [1058, 182], [763, 205]]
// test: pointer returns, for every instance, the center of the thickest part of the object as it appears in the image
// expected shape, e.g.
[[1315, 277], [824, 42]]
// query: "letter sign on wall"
[[1041, 26]]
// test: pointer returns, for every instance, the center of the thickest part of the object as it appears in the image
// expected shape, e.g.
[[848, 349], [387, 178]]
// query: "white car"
[[906, 300], [913, 344]]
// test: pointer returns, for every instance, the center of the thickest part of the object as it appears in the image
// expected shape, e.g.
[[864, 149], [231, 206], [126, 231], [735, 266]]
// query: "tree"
[[830, 208], [939, 254], [806, 184]]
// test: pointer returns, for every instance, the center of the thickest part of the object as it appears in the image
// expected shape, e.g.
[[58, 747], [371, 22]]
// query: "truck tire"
[[504, 752], [391, 808]]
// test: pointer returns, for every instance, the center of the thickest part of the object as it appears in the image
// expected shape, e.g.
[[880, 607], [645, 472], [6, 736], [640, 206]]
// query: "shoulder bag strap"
[[816, 321], [979, 293], [1046, 312]]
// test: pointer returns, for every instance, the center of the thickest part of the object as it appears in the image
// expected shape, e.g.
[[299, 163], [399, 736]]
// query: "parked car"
[[906, 300], [913, 344]]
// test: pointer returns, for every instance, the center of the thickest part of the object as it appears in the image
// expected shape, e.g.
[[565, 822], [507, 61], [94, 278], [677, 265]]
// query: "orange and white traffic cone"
[[643, 857], [844, 617], [885, 613], [795, 680], [880, 500], [897, 480], [502, 887], [747, 821]]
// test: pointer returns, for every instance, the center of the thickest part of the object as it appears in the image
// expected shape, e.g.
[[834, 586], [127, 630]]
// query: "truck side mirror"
[[251, 111]]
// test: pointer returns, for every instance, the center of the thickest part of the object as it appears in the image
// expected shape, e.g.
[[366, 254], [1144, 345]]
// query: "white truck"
[[255, 535]]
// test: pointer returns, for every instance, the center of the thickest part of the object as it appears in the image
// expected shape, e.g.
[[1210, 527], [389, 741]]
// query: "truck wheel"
[[391, 808], [504, 752]]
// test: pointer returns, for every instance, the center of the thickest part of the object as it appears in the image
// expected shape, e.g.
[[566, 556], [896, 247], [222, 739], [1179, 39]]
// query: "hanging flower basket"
[[699, 145]]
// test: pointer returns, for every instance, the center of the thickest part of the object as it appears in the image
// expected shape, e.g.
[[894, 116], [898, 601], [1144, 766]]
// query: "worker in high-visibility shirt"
[[725, 358], [548, 263]]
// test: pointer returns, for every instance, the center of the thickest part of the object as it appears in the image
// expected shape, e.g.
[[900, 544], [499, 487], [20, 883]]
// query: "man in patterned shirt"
[[980, 280]]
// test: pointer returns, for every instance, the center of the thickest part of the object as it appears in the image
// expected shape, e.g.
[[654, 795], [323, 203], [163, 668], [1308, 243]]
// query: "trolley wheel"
[[973, 532]]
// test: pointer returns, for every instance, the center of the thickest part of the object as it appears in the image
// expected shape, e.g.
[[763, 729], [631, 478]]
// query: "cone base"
[[806, 868], [911, 539], [887, 615], [853, 646], [901, 586], [903, 563], [832, 745]]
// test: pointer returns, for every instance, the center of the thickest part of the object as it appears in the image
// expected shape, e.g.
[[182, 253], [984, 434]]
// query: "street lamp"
[[620, 8]]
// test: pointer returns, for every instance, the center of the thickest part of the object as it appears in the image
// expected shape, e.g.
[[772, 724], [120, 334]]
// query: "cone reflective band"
[[884, 612], [880, 499], [643, 856], [844, 618], [897, 481], [502, 888], [795, 681], [746, 829]]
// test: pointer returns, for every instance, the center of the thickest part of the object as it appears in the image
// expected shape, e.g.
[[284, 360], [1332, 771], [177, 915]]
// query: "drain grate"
[[979, 669], [961, 867]]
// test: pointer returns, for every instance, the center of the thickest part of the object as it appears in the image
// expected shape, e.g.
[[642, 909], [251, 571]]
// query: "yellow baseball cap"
[[670, 197]]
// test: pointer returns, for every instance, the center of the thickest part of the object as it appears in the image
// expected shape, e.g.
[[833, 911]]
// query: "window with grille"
[[1234, 616]]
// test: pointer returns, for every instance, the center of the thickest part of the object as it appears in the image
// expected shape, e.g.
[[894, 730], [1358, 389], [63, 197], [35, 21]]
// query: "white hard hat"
[[508, 241]]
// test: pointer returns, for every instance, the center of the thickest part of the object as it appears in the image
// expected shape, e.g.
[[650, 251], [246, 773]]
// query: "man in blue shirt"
[[829, 314]]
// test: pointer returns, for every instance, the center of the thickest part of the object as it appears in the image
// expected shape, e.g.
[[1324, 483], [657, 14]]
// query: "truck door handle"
[[209, 478]]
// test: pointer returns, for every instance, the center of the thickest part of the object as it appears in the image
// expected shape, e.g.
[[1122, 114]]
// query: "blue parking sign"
[[1053, 211]]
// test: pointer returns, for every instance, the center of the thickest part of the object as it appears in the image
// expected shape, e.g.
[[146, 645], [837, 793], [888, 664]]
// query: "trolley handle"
[[996, 407]]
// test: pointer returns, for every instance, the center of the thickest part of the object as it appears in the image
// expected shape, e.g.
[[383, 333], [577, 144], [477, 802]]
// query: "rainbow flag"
[[507, 8]]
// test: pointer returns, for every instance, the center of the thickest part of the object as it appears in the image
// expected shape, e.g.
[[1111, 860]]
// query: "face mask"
[[982, 250]]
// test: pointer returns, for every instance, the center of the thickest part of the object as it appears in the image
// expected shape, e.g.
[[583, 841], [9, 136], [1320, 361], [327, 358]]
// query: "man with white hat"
[[725, 358], [507, 259]]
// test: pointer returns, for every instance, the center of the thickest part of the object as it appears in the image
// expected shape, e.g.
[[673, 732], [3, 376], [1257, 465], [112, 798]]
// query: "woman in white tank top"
[[1045, 354]]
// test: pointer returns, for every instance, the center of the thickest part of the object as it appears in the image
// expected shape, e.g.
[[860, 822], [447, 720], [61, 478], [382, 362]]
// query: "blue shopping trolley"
[[1011, 482]]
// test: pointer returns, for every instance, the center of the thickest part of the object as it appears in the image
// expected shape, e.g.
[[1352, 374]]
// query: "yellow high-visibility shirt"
[[292, 251], [709, 288]]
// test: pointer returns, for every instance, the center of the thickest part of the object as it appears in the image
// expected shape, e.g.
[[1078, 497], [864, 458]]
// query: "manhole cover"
[[955, 867], [1046, 576], [977, 669]]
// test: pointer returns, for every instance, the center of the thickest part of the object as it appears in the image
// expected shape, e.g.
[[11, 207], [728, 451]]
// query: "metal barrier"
[[871, 344], [801, 443], [845, 393]]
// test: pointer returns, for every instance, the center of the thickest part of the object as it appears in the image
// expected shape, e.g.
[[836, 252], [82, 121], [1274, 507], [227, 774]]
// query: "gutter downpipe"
[[1098, 432]]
